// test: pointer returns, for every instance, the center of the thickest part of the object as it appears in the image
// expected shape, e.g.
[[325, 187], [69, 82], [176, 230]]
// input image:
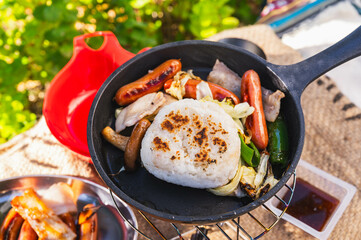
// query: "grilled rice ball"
[[192, 143]]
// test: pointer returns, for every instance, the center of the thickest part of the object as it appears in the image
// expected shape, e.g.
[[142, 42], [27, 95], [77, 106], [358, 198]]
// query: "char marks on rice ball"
[[192, 143]]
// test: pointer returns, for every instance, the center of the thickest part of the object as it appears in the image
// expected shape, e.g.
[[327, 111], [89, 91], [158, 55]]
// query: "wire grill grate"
[[234, 224]]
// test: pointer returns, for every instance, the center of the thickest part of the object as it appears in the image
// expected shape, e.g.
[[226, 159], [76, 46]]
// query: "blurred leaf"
[[139, 3], [13, 118], [207, 18], [52, 13], [207, 32], [225, 11], [66, 51], [95, 42], [86, 2], [39, 12], [230, 22], [70, 16], [17, 106]]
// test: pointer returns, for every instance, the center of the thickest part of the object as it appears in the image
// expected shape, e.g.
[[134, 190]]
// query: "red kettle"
[[70, 94]]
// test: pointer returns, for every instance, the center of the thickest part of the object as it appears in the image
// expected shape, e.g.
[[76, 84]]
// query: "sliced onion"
[[229, 187]]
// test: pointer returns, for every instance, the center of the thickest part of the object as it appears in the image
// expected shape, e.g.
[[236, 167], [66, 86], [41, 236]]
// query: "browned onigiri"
[[193, 144]]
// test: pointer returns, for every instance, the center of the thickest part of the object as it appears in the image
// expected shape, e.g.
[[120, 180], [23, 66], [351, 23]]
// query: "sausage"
[[68, 219], [132, 149], [149, 83], [27, 233], [11, 226], [255, 123], [6, 223], [115, 138], [218, 92], [88, 221]]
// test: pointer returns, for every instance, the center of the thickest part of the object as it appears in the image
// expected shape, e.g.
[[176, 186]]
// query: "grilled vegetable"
[[261, 170], [268, 183], [250, 153], [256, 122], [278, 142], [231, 186], [149, 83], [247, 181]]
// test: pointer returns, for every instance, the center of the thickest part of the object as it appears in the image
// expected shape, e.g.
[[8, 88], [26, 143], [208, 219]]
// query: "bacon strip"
[[271, 103]]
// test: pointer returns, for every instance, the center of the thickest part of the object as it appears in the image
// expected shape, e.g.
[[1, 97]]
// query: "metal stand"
[[234, 223]]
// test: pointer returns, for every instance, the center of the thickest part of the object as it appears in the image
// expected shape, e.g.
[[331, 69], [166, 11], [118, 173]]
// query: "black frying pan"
[[187, 205]]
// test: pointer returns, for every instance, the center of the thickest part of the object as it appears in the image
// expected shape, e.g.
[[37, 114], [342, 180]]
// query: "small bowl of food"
[[61, 207]]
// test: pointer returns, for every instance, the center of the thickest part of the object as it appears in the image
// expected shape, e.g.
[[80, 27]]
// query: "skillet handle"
[[298, 76]]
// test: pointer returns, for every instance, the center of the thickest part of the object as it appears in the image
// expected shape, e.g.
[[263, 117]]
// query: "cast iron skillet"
[[187, 205]]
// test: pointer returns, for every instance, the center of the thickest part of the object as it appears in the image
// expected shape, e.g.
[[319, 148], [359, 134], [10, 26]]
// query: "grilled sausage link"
[[255, 123], [218, 92], [132, 150], [27, 233], [149, 83], [11, 226]]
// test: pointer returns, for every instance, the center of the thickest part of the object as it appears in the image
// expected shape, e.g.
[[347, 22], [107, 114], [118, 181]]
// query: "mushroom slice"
[[139, 109], [132, 150], [115, 138]]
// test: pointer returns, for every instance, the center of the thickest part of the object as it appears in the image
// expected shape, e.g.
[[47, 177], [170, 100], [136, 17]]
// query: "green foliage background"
[[36, 39]]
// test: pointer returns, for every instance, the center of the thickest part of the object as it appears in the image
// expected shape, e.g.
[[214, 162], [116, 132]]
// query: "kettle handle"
[[110, 44]]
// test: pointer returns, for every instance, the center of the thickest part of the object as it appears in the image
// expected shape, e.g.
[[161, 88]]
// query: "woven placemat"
[[332, 141], [37, 151]]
